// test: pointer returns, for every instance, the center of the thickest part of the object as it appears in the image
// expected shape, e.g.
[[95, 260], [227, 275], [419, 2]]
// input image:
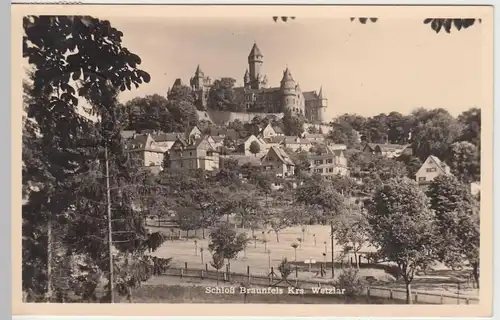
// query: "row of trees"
[[428, 131]]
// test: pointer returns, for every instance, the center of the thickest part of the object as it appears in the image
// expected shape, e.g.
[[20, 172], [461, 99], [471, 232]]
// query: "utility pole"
[[110, 230], [333, 255]]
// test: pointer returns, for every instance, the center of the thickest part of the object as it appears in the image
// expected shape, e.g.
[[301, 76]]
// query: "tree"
[[312, 130], [465, 162], [181, 107], [293, 124], [353, 232], [433, 132], [281, 218], [397, 128], [412, 164], [221, 96], [457, 223], [376, 129], [471, 124], [254, 148], [63, 139], [150, 112], [342, 133], [295, 246], [225, 241], [217, 262], [401, 227], [248, 211]]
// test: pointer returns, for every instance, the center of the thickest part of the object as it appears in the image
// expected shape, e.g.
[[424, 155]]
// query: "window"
[[330, 170], [329, 161], [421, 179], [318, 170], [190, 153], [431, 170], [318, 161]]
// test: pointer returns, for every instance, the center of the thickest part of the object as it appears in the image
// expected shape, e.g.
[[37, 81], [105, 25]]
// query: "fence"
[[272, 278]]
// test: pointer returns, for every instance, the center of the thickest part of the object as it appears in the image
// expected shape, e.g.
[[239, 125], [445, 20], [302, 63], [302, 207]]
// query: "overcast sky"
[[392, 65]]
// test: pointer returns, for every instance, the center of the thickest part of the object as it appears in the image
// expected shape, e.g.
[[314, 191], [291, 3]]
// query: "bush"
[[350, 281]]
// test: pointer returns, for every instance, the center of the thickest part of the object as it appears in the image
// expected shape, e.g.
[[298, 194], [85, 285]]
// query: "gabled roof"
[[143, 142], [277, 129], [127, 134], [440, 164], [281, 154]]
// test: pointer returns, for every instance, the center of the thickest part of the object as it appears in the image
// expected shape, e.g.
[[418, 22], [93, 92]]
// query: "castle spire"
[[198, 70], [320, 94], [255, 52]]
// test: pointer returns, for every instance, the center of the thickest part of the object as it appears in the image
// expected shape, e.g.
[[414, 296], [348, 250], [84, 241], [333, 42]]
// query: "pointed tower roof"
[[287, 76], [246, 73], [255, 51], [198, 70], [320, 94]]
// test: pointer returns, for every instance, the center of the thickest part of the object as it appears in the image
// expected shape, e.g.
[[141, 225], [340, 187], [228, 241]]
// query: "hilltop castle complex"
[[256, 94]]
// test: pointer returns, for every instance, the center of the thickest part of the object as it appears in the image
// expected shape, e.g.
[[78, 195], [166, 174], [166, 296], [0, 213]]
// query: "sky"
[[392, 65]]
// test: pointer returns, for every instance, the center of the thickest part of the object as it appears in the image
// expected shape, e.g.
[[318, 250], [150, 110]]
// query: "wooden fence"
[[272, 278]]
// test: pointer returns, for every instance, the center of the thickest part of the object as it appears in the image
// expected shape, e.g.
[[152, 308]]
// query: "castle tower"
[[199, 85], [255, 61], [289, 94], [323, 104], [246, 79], [197, 81]]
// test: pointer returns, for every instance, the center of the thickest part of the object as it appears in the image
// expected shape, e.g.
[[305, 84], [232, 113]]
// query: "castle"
[[257, 95]]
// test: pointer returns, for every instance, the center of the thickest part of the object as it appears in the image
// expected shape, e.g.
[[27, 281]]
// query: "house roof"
[[172, 136], [217, 138], [143, 142], [388, 147], [310, 95], [274, 139], [293, 140], [313, 136], [441, 165], [282, 155], [277, 129]]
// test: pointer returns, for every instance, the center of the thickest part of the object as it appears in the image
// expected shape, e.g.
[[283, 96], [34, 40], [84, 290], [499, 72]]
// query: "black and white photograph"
[[255, 159]]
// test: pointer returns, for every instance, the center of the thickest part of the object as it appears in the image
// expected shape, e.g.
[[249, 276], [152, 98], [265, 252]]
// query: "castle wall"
[[222, 117]]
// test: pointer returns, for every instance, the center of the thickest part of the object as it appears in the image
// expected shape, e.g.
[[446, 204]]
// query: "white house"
[[432, 168]]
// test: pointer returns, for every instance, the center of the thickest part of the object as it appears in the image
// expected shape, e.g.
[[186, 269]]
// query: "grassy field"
[[186, 251]]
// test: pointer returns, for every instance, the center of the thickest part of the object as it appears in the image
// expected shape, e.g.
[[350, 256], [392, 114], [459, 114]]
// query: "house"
[[245, 146], [193, 132], [296, 143], [329, 161], [314, 137], [218, 141], [277, 160], [144, 150], [221, 132], [166, 140], [432, 168], [269, 131], [388, 150], [194, 154]]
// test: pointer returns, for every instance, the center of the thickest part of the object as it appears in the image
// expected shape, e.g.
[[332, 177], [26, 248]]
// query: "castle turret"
[[289, 94], [246, 79], [323, 104], [255, 61], [197, 81]]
